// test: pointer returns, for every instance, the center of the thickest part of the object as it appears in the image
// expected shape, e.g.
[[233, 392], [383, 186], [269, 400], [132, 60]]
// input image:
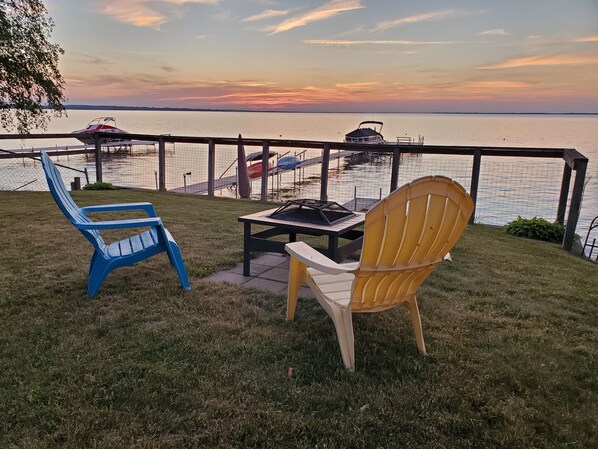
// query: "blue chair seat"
[[133, 245]]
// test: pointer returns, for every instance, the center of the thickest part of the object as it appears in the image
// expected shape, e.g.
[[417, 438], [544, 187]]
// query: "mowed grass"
[[511, 327]]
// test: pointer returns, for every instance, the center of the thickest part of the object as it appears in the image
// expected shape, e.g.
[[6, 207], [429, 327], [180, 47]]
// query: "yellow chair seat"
[[333, 287]]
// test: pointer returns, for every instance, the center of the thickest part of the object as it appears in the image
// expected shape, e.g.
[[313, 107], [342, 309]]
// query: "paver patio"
[[269, 271]]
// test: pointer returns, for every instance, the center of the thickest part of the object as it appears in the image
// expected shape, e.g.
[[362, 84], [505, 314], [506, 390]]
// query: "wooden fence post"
[[265, 159], [211, 166], [394, 175], [475, 181], [324, 175], [98, 144], [580, 167], [161, 164], [560, 215]]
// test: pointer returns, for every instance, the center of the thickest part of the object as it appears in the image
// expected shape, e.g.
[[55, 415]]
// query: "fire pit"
[[312, 211]]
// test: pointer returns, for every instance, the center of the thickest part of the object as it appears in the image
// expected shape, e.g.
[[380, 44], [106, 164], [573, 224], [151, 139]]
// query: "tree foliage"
[[29, 75]]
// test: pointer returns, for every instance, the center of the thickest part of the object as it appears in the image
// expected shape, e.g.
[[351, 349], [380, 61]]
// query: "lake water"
[[500, 179]]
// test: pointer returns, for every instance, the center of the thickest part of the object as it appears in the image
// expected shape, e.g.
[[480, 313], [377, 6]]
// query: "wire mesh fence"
[[523, 187], [26, 173], [508, 186]]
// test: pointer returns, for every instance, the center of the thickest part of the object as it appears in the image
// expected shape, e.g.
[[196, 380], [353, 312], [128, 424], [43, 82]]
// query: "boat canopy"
[[257, 156]]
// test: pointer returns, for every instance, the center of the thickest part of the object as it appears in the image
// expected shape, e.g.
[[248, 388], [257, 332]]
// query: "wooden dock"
[[116, 145], [201, 188]]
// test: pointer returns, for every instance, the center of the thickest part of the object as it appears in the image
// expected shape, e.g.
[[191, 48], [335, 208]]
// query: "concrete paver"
[[268, 272]]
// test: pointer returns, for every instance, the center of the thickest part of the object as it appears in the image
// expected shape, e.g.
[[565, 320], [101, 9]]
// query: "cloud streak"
[[498, 84], [326, 11], [145, 12], [267, 14], [494, 32], [347, 43], [538, 61], [593, 38], [426, 17], [356, 85]]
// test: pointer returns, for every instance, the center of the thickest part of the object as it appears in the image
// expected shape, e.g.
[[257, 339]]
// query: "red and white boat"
[[101, 124], [255, 167]]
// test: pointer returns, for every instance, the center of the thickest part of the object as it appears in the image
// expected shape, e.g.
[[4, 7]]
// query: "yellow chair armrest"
[[314, 259]]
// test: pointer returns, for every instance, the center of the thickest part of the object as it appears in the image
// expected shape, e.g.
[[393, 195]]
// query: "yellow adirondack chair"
[[405, 236]]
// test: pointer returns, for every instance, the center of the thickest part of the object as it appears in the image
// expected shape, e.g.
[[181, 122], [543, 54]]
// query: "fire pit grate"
[[312, 211]]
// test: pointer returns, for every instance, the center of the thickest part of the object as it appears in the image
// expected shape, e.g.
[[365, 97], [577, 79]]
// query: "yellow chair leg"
[[296, 279], [417, 324], [343, 323]]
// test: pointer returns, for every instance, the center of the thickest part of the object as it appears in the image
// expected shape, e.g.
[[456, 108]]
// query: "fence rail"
[[573, 162]]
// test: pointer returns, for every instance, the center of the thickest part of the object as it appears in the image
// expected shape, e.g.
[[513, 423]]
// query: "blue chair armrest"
[[121, 224], [147, 207]]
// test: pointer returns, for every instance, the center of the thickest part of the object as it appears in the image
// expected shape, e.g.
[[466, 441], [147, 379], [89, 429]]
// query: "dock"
[[116, 146], [201, 188]]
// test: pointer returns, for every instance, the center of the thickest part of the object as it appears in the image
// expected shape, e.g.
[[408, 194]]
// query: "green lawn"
[[511, 327]]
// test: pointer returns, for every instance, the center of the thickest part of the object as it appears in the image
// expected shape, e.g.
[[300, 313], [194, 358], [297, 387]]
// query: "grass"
[[511, 327]]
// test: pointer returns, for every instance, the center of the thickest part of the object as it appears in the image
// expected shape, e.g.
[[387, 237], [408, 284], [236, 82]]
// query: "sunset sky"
[[331, 55]]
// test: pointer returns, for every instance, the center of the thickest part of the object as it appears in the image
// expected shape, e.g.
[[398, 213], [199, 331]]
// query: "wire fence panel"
[[27, 174], [525, 187], [186, 164], [133, 168], [507, 186], [21, 174]]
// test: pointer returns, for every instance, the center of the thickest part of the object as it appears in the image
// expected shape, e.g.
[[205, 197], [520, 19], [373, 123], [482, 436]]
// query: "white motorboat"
[[366, 134], [372, 135]]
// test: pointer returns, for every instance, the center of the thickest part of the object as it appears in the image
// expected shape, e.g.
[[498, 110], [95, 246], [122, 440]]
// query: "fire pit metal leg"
[[333, 247], [246, 248]]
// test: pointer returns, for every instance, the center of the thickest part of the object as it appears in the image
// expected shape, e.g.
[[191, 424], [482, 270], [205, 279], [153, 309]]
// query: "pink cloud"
[[326, 11]]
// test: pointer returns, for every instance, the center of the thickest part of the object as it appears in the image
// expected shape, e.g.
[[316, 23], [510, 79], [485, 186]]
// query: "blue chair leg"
[[176, 260], [98, 271]]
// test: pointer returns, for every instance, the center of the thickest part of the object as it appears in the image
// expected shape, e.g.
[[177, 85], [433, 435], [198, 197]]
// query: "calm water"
[[561, 131]]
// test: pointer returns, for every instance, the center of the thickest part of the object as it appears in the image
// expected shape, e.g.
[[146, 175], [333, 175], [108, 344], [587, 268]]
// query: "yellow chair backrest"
[[406, 235]]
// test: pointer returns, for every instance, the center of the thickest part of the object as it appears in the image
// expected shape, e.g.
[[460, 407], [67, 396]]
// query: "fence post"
[[161, 164], [394, 175], [98, 144], [475, 181], [211, 166], [324, 175], [265, 159], [560, 215], [580, 167]]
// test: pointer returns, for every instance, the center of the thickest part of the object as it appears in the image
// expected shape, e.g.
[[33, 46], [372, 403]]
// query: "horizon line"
[[182, 109]]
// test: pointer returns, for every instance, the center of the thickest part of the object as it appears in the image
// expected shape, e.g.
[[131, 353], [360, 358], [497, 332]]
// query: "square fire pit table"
[[260, 242]]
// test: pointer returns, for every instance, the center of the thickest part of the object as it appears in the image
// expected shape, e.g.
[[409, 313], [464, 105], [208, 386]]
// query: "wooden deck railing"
[[573, 161]]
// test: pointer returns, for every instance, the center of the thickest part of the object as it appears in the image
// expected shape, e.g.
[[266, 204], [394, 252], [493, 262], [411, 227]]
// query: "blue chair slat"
[[148, 238], [125, 247], [125, 252], [136, 244]]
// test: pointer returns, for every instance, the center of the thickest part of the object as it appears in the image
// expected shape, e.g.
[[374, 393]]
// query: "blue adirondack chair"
[[129, 251]]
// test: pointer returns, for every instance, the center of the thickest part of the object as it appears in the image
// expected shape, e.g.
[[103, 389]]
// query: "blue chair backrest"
[[65, 201]]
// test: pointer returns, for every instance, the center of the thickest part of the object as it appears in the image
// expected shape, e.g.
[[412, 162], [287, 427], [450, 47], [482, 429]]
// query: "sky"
[[331, 55]]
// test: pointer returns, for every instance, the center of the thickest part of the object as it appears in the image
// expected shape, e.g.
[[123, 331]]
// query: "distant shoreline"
[[83, 107]]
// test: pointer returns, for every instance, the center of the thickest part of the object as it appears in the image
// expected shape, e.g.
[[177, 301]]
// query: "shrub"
[[100, 186], [536, 228]]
